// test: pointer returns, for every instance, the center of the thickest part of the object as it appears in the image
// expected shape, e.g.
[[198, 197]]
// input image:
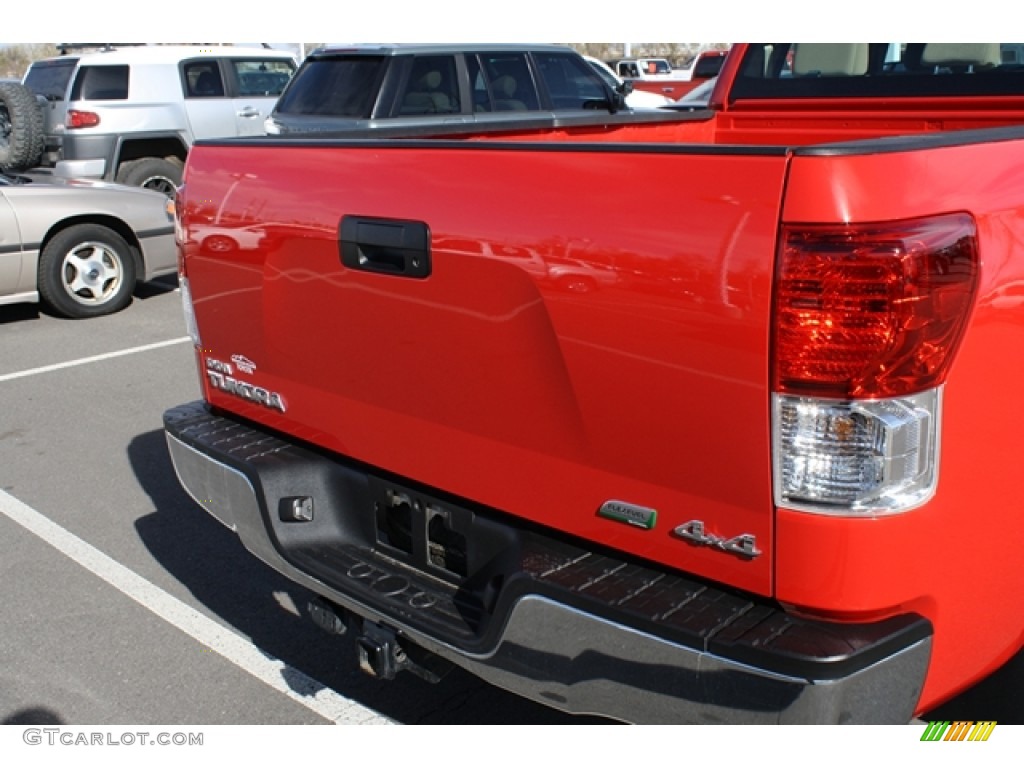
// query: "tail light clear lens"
[[868, 318], [860, 458]]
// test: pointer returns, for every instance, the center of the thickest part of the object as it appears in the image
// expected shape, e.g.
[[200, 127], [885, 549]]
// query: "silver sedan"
[[80, 247]]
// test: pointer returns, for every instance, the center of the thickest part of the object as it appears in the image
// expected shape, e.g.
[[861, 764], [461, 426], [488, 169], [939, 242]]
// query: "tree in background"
[[678, 54], [14, 59]]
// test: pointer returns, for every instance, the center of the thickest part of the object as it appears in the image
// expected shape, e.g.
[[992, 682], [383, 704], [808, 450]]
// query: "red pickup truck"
[[762, 466]]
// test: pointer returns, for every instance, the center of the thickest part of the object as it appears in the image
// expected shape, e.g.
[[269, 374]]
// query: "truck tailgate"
[[493, 361]]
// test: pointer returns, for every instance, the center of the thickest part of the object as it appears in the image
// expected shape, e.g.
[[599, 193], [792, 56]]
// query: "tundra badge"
[[220, 377]]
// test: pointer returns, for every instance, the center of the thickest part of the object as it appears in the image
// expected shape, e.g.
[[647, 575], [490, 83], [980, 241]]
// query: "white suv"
[[130, 114]]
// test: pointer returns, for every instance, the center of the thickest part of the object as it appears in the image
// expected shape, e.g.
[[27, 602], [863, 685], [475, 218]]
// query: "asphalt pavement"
[[126, 604]]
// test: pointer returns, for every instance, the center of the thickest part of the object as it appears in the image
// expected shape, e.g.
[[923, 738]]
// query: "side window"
[[478, 86], [101, 83], [262, 78], [570, 81], [203, 80], [432, 87], [508, 81]]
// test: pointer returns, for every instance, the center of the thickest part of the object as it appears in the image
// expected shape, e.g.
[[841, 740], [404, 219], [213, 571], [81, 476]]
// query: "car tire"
[[154, 173], [21, 128], [86, 270]]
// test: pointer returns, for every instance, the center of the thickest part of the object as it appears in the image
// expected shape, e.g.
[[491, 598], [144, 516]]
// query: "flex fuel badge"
[[631, 514]]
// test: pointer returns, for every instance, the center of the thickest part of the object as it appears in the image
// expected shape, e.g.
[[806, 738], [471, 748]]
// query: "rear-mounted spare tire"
[[21, 128]]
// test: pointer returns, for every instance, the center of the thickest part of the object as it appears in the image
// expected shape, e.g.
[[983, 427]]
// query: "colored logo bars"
[[967, 730]]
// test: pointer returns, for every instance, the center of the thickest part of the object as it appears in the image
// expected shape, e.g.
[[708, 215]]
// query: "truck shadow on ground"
[[33, 716], [270, 610], [156, 287], [210, 561], [16, 313], [999, 697]]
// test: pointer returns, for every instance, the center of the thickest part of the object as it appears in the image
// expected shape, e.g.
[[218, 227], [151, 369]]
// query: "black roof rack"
[[66, 48]]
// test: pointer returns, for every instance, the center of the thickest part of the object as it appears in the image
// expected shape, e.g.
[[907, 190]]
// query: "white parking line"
[[93, 359], [233, 647]]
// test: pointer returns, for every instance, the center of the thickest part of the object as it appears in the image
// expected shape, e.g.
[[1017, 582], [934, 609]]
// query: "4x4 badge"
[[744, 545]]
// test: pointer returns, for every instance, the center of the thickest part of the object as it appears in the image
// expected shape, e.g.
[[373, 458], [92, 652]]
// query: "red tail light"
[[79, 119], [872, 310]]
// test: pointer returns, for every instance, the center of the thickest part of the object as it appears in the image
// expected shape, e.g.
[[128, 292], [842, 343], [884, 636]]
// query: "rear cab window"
[[341, 85], [880, 70], [708, 66], [50, 78]]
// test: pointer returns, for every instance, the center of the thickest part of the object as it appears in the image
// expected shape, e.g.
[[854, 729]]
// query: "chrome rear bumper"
[[575, 630]]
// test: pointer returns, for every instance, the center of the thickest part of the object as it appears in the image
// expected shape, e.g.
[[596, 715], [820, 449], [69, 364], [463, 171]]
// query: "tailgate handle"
[[385, 246]]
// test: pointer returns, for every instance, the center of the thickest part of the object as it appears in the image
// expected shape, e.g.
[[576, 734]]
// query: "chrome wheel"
[[92, 273], [162, 184]]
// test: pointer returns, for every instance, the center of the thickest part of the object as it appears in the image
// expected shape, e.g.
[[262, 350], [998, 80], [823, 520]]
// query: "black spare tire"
[[21, 128], [156, 173]]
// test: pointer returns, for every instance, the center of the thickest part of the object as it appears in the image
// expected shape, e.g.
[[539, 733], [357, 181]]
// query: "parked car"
[[80, 247], [658, 76], [131, 114], [426, 87], [705, 65], [636, 69], [653, 75], [635, 99]]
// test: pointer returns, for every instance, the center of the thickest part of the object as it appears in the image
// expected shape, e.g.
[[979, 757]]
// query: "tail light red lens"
[[76, 118], [872, 310]]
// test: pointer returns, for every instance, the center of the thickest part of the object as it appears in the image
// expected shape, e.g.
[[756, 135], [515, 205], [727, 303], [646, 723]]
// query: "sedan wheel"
[[86, 270]]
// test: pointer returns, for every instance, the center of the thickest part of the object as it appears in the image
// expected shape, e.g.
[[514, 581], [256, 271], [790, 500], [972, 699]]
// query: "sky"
[[515, 21]]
